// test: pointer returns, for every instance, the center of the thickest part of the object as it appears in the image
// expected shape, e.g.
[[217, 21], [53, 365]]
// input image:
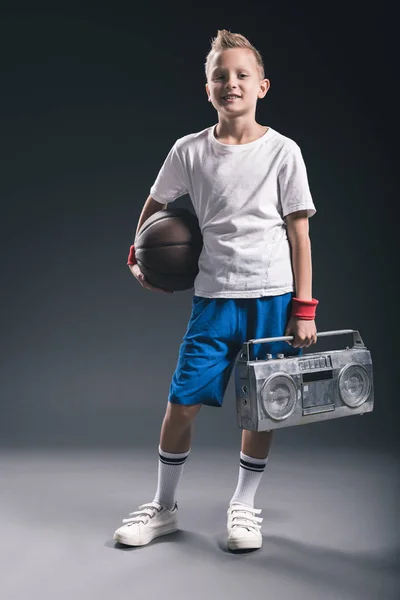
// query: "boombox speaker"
[[294, 390]]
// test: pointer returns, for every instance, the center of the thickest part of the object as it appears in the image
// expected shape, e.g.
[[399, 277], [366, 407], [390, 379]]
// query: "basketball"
[[167, 249]]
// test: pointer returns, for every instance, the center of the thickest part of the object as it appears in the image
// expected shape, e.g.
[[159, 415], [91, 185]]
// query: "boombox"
[[294, 390]]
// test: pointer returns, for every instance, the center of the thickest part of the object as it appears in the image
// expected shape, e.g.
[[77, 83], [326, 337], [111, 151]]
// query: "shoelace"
[[244, 516], [144, 514]]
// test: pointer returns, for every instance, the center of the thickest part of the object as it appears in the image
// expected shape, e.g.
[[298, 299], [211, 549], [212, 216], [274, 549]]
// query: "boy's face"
[[235, 71]]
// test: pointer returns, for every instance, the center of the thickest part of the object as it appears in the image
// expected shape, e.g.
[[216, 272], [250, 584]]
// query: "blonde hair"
[[225, 40]]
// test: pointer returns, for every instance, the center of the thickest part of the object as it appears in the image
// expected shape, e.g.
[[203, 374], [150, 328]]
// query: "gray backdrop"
[[92, 101]]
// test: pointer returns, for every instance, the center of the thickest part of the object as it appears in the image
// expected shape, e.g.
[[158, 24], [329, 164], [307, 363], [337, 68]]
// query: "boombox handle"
[[357, 340]]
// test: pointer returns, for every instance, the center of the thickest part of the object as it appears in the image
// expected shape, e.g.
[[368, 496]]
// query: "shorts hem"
[[174, 400]]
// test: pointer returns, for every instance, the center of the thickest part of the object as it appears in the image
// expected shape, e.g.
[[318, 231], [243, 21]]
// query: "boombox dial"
[[354, 385], [278, 396]]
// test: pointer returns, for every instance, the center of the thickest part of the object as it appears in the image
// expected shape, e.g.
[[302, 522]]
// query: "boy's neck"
[[236, 132]]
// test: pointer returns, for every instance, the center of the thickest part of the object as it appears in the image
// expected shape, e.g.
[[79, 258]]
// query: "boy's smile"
[[230, 98]]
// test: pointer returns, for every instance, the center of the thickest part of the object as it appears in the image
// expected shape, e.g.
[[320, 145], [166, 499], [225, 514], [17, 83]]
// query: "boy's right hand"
[[137, 273]]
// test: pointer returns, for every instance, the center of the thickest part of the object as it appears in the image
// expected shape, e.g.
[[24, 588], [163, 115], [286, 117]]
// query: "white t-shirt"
[[241, 194]]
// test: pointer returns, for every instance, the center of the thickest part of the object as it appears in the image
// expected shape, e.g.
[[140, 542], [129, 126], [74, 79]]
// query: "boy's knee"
[[181, 412]]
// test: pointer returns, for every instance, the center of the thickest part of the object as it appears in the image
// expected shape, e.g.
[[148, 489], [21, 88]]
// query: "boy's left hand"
[[304, 332]]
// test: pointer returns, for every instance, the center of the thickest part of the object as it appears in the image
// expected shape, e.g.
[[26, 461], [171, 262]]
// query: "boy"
[[249, 188]]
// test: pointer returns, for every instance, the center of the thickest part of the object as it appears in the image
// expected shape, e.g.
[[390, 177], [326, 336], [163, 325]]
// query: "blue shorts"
[[216, 331]]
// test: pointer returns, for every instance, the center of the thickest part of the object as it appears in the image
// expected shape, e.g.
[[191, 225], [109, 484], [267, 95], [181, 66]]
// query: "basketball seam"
[[163, 217], [164, 245]]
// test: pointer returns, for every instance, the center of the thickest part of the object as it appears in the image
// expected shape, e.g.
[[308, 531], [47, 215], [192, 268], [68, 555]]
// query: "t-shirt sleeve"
[[171, 181], [294, 190]]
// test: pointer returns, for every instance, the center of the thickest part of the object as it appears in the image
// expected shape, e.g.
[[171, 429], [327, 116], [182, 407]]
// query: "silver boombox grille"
[[294, 390]]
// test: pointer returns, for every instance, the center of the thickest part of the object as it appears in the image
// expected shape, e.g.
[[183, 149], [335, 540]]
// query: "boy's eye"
[[241, 75]]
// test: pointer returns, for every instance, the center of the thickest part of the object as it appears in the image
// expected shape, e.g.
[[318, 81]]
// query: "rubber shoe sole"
[[146, 537], [244, 544]]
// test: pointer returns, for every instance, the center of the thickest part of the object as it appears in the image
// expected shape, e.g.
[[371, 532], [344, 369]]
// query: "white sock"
[[170, 467], [250, 473]]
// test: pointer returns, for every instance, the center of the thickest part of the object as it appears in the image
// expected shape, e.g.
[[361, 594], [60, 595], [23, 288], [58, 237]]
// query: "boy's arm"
[[298, 234], [303, 330], [150, 207]]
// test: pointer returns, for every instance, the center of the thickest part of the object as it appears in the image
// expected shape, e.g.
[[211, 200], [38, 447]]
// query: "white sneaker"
[[244, 528], [150, 521]]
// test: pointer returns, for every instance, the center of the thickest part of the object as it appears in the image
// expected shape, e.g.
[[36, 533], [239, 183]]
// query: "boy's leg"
[[244, 526], [176, 430], [256, 443], [159, 517], [174, 448], [253, 458], [265, 317], [201, 375]]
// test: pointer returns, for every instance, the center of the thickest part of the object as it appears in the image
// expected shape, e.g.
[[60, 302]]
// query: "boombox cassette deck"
[[295, 390]]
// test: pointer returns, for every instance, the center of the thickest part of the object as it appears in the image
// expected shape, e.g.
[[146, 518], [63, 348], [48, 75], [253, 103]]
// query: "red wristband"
[[304, 309], [131, 256]]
